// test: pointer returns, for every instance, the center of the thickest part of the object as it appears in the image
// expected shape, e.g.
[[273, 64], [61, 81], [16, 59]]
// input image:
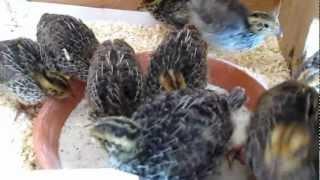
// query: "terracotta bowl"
[[53, 114]]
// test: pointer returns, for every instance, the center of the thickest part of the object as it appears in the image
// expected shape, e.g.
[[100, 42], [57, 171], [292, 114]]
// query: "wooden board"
[[114, 4], [133, 4], [296, 17], [261, 5]]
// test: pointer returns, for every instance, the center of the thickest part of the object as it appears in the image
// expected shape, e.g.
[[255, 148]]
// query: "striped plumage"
[[179, 135], [19, 59], [24, 73], [181, 57], [114, 85], [283, 139], [66, 43]]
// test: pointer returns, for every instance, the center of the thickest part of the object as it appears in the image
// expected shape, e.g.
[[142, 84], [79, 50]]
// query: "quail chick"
[[227, 24], [309, 72], [174, 13], [66, 43], [179, 135], [283, 139], [180, 61], [114, 85], [23, 72]]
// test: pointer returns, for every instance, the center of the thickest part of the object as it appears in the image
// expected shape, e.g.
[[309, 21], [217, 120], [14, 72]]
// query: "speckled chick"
[[174, 13], [283, 134], [114, 85], [23, 72], [309, 72], [179, 62], [67, 44], [179, 135], [229, 26]]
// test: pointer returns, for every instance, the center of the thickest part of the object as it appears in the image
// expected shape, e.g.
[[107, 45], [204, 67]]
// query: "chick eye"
[[266, 25]]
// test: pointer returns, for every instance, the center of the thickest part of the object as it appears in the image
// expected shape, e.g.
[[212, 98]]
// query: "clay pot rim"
[[258, 81]]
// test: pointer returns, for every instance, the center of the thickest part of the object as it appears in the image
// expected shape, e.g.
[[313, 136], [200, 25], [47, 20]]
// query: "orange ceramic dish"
[[50, 120]]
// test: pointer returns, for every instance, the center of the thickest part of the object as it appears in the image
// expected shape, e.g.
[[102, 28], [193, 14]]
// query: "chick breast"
[[67, 44], [114, 85], [184, 136], [19, 60], [290, 104], [181, 51]]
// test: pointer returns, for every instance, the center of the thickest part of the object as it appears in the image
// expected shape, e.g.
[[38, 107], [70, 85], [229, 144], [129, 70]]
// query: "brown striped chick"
[[283, 139], [114, 85], [179, 62]]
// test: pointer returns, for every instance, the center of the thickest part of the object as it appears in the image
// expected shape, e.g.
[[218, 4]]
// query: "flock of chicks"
[[165, 124]]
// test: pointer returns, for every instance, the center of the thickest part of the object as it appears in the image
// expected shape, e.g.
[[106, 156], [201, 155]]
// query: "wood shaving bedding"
[[265, 61], [21, 134], [16, 149], [141, 38]]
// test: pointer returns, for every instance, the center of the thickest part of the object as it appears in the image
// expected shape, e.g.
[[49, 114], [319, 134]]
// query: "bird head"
[[53, 83], [117, 135], [266, 24], [172, 80], [287, 149]]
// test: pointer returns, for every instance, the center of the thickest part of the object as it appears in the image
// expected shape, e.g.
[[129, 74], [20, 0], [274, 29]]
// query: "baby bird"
[[174, 13], [23, 72], [114, 85], [178, 135], [179, 62], [66, 43], [309, 72], [283, 138], [228, 25]]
